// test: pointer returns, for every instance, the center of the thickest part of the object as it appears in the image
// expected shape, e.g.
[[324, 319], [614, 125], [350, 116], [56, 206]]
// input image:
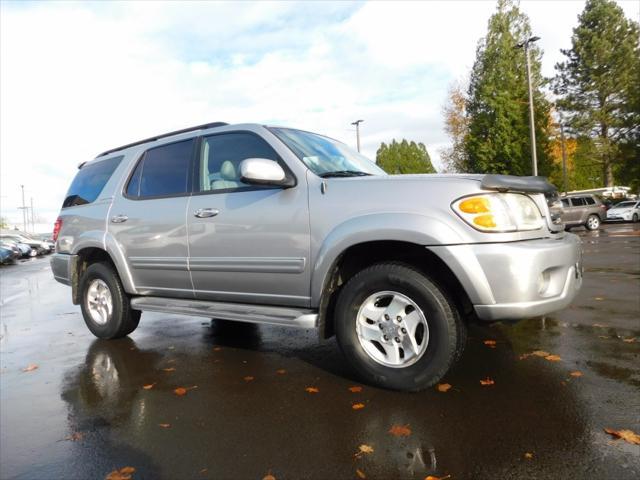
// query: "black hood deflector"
[[512, 183]]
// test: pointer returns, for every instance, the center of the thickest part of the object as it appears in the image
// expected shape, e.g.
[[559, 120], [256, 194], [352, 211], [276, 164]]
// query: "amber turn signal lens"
[[486, 221], [475, 205]]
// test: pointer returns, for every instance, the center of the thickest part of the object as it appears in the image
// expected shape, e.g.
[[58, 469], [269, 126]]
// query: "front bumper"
[[620, 217], [516, 280]]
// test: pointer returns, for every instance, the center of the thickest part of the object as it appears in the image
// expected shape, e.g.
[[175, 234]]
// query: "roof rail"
[[164, 135]]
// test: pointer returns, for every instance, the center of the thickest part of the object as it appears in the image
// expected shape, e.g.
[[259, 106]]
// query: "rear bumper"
[[512, 281], [61, 266]]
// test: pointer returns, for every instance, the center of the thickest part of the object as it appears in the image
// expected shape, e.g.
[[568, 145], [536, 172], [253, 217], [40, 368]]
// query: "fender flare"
[[405, 227]]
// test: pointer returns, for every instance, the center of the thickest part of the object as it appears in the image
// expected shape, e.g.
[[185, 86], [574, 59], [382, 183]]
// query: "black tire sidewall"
[[114, 326], [438, 312]]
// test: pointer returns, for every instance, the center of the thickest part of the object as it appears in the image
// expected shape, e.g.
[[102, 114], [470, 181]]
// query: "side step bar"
[[283, 316]]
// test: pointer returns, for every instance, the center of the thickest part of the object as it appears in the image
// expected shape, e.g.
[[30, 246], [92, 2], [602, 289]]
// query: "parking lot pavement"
[[93, 406]]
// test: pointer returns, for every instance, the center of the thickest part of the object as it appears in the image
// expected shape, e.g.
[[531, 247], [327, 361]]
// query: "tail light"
[[56, 228]]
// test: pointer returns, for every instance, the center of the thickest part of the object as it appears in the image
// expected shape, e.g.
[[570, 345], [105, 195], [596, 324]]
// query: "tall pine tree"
[[498, 138], [404, 157], [598, 87]]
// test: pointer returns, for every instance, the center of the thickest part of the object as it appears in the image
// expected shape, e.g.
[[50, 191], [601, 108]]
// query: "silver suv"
[[280, 226]]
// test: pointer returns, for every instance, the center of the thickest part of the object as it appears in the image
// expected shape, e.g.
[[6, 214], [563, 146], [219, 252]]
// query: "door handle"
[[206, 212], [119, 219]]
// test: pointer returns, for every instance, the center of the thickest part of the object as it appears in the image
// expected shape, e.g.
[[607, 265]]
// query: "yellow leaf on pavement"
[[443, 387]]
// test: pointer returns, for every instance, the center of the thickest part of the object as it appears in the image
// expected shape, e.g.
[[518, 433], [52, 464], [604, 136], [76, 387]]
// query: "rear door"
[[147, 220], [247, 243]]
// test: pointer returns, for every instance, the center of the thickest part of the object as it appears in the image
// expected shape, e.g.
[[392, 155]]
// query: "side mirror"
[[260, 171]]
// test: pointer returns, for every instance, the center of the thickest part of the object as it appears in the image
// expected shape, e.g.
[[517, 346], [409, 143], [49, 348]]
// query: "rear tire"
[[593, 222], [418, 343], [634, 219], [105, 305]]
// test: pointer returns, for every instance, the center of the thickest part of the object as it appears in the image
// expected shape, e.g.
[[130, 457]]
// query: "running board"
[[283, 316]]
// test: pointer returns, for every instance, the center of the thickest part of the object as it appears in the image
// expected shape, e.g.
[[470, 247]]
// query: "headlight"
[[499, 212]]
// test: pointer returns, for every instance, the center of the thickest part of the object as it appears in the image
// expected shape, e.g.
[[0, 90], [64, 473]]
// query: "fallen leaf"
[[626, 435], [355, 389], [357, 406], [170, 369], [149, 386], [443, 387], [248, 378], [122, 474], [629, 340], [553, 358], [431, 477], [30, 368], [180, 391], [75, 437], [599, 325], [528, 455], [282, 371], [360, 473], [490, 343], [268, 476], [486, 382], [164, 425], [216, 349], [312, 390], [598, 299], [363, 449], [576, 374], [204, 471], [540, 353], [400, 430]]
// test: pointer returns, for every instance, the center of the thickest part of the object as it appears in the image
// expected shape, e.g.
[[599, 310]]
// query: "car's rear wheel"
[[105, 305], [593, 222], [397, 327], [634, 219]]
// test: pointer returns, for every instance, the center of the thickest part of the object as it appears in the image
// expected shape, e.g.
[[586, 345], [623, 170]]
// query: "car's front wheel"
[[397, 327], [105, 305], [635, 218], [593, 222]]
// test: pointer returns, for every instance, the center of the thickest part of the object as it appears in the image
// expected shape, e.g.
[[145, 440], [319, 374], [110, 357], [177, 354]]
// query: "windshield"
[[326, 157], [625, 205]]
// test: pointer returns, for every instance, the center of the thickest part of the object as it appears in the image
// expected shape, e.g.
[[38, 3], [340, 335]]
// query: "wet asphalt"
[[84, 411]]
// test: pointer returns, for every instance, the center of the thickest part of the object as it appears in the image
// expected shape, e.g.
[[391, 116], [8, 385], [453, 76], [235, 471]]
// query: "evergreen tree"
[[498, 139], [404, 157], [598, 87]]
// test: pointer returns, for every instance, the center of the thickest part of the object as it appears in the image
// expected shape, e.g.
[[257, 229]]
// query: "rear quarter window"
[[90, 181], [590, 201]]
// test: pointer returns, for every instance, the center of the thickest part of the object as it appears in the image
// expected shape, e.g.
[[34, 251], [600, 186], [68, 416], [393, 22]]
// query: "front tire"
[[634, 219], [397, 328], [593, 222], [105, 305]]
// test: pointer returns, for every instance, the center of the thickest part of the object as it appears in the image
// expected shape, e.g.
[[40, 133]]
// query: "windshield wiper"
[[344, 173]]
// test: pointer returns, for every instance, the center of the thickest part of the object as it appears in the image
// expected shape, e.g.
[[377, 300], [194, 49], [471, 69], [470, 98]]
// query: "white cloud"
[[79, 78]]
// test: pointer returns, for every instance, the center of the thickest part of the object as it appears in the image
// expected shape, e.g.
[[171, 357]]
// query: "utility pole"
[[564, 158], [534, 158], [33, 222], [357, 124], [24, 211]]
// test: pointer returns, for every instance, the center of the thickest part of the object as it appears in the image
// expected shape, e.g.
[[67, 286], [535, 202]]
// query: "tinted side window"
[[162, 171], [221, 156], [90, 181], [577, 202], [589, 200], [565, 202]]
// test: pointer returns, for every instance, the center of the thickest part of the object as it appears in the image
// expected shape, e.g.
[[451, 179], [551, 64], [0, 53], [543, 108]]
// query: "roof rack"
[[164, 135]]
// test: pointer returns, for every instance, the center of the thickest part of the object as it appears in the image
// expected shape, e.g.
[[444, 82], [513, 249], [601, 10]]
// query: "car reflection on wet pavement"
[[95, 406]]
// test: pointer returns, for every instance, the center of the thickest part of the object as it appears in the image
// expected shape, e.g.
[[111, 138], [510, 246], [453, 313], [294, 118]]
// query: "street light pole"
[[33, 222], [357, 124], [24, 211], [564, 157], [534, 158]]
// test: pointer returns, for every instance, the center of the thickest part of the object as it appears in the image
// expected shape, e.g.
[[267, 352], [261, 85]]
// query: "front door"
[[148, 221], [248, 244]]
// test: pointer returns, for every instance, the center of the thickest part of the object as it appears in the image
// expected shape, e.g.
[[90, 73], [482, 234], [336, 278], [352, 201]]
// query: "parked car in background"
[[23, 250], [582, 210], [40, 247], [628, 211], [7, 255]]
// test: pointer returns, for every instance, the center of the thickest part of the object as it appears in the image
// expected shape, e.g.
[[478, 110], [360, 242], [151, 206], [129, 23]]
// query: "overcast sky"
[[79, 78]]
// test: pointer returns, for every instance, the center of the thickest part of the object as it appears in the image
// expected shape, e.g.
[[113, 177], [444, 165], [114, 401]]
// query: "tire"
[[634, 219], [593, 222], [443, 332], [121, 320]]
